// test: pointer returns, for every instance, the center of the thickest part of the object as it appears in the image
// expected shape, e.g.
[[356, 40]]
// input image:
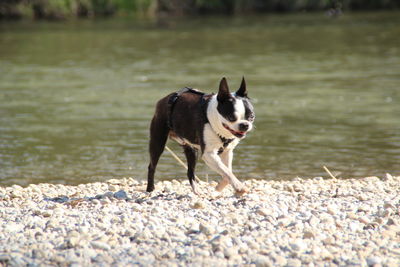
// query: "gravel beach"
[[313, 222]]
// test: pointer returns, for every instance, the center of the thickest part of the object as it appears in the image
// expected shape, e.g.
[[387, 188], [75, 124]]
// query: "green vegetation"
[[62, 9]]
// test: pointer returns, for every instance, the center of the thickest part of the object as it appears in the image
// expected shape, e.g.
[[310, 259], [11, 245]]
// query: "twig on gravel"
[[326, 169], [180, 161]]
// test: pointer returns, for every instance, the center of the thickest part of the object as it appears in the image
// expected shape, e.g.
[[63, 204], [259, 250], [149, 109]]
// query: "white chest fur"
[[213, 142]]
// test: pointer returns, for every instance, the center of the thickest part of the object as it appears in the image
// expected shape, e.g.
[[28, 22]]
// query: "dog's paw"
[[194, 189], [221, 185], [242, 191], [150, 188]]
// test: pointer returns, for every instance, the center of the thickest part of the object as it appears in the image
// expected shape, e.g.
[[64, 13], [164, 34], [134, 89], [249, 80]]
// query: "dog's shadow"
[[137, 195]]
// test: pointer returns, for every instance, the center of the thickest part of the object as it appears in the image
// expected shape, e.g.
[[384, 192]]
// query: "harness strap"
[[174, 97], [225, 143]]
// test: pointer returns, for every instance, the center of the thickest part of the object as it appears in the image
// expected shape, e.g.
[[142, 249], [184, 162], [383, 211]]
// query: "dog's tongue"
[[235, 133], [238, 133]]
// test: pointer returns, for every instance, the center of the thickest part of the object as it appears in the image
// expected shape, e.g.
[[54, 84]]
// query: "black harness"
[[225, 143], [171, 104]]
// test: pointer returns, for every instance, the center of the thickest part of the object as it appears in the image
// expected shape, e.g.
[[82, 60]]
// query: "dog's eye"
[[231, 118]]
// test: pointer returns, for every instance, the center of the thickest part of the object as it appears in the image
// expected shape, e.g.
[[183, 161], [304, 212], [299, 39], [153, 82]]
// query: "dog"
[[212, 124]]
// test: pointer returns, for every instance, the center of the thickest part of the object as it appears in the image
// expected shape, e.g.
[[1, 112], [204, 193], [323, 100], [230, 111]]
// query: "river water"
[[76, 98]]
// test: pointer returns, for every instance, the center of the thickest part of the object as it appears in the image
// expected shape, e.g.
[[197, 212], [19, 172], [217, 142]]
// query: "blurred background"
[[79, 80]]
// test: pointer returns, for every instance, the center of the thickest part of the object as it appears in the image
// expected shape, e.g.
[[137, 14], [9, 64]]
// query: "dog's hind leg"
[[158, 137], [191, 157]]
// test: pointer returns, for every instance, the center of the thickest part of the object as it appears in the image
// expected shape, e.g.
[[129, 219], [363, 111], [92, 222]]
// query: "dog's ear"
[[223, 92], [242, 91]]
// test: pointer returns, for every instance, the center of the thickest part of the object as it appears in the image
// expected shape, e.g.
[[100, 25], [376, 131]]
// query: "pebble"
[[293, 263], [198, 205], [373, 261], [206, 229], [121, 194], [301, 222], [100, 245], [264, 212], [308, 234], [230, 252], [364, 220], [263, 261], [298, 245]]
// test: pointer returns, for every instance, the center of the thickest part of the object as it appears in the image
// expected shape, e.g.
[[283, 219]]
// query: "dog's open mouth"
[[235, 133]]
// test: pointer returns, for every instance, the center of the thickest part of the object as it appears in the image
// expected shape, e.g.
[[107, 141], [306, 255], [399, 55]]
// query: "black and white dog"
[[209, 123]]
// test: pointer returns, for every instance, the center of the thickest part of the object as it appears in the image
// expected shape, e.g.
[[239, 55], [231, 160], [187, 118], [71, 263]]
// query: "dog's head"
[[235, 111]]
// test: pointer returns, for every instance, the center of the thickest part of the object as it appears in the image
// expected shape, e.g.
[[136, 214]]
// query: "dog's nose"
[[244, 126]]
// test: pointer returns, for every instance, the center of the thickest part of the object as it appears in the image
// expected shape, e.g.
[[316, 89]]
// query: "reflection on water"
[[76, 99]]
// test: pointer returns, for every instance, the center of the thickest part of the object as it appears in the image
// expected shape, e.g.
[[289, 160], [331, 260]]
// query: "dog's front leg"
[[212, 159], [226, 158]]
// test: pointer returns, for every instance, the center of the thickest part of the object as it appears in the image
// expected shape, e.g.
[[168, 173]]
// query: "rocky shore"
[[313, 222]]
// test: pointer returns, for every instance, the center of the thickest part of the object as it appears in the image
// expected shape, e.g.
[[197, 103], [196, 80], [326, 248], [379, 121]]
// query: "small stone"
[[219, 254], [243, 248], [277, 186], [17, 260], [298, 245], [193, 229], [263, 212], [371, 225], [384, 213], [363, 208], [121, 194], [60, 199], [73, 241], [390, 221], [262, 261], [297, 188], [372, 261], [288, 187], [293, 263], [16, 193], [230, 252], [354, 226], [201, 252], [115, 181], [280, 261], [100, 245], [136, 207], [308, 234], [4, 259], [332, 209], [198, 205], [364, 220], [351, 215], [314, 221], [328, 241], [326, 255], [205, 229], [89, 253], [112, 187], [253, 245], [47, 213], [388, 205], [13, 227]]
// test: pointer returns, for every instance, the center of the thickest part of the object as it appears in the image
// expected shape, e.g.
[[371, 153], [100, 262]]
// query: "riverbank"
[[61, 10], [279, 223]]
